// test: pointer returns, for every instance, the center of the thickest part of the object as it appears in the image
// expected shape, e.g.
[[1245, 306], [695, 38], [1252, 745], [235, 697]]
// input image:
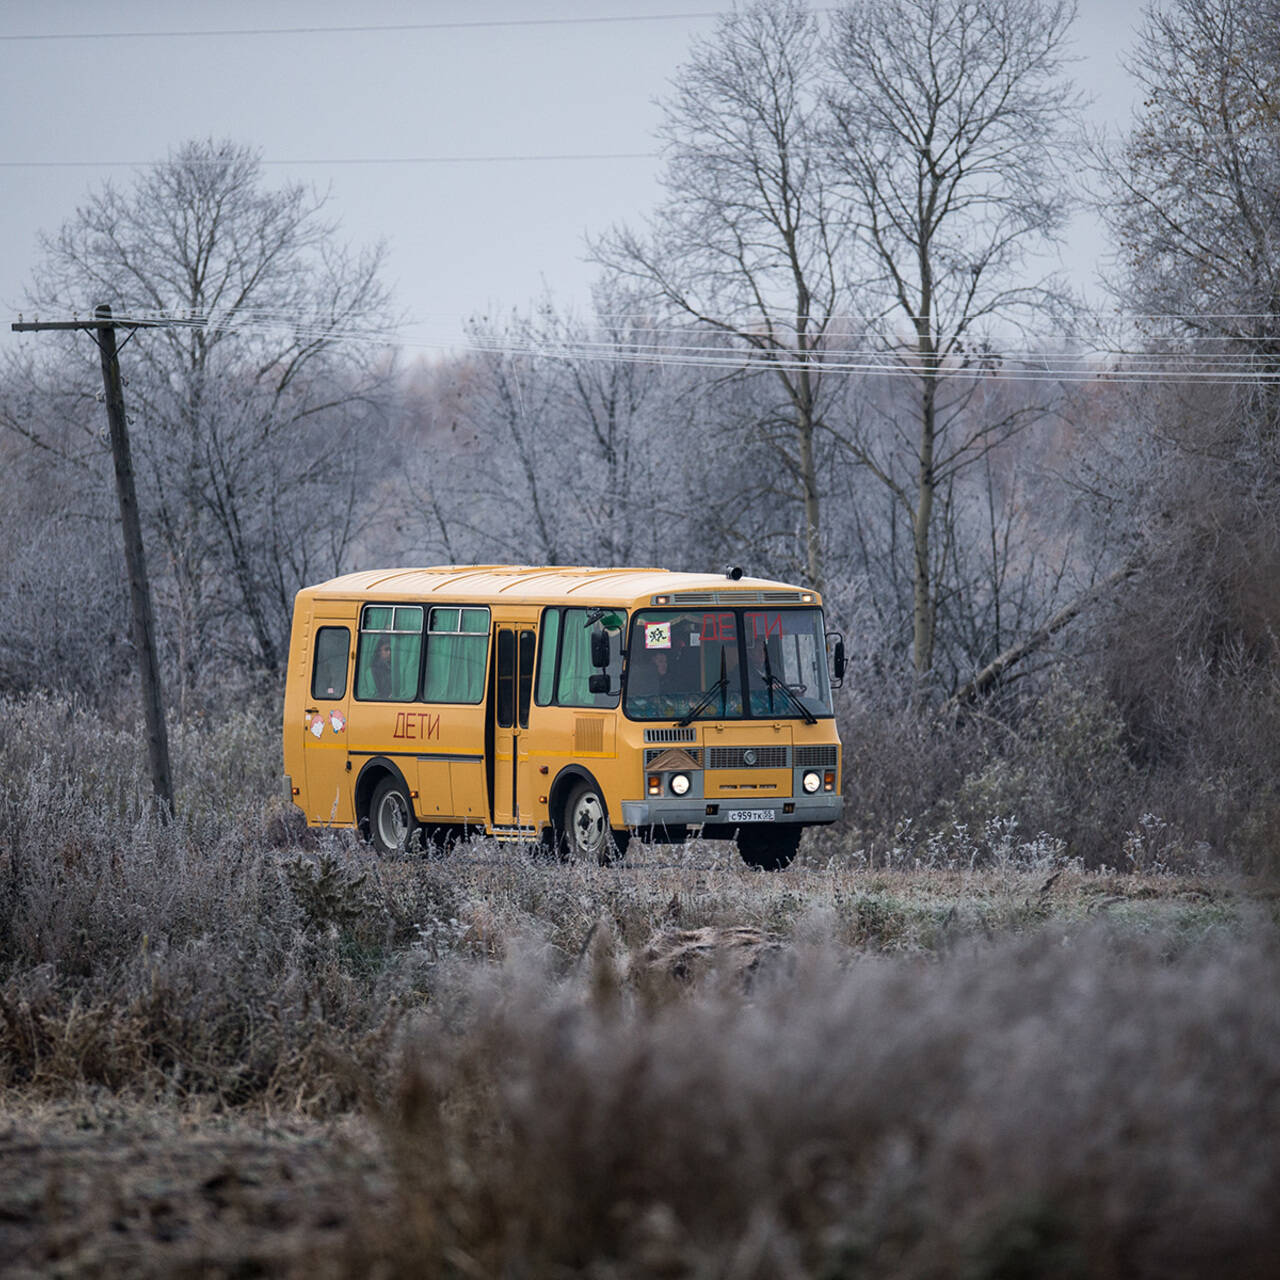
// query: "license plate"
[[750, 815]]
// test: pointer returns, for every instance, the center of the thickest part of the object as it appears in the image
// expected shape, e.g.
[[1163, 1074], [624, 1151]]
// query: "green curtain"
[[401, 625], [575, 661], [457, 650], [406, 659], [547, 656]]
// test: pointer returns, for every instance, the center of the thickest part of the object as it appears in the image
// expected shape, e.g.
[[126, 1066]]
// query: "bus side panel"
[[559, 736], [447, 741]]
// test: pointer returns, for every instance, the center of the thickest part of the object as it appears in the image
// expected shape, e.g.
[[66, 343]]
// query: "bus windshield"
[[727, 664]]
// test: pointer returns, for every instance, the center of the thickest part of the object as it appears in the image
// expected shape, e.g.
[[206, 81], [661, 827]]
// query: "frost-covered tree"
[[247, 409], [747, 243], [947, 144]]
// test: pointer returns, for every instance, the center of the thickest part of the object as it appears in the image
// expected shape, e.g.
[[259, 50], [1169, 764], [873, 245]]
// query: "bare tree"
[[609, 392], [747, 243], [572, 433], [246, 408], [560, 439], [1193, 194], [1193, 198], [947, 132]]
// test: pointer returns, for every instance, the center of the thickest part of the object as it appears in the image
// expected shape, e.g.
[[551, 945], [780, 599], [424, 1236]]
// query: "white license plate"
[[750, 815]]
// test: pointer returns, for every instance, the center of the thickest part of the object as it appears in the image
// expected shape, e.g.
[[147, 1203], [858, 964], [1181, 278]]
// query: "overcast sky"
[[474, 236]]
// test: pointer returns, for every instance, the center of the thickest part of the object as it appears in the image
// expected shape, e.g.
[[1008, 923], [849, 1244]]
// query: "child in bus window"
[[380, 668]]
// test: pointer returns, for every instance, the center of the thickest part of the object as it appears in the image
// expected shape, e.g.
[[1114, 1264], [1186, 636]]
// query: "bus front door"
[[510, 696]]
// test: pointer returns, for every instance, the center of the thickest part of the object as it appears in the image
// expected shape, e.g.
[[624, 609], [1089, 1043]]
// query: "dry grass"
[[982, 1060], [1063, 1105]]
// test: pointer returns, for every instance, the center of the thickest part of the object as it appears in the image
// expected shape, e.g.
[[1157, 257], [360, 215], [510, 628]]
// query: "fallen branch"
[[982, 682]]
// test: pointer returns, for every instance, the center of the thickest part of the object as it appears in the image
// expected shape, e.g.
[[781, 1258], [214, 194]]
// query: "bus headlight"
[[812, 781], [679, 784]]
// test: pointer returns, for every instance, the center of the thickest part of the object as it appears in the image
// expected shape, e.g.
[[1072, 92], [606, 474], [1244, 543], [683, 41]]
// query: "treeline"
[[814, 361]]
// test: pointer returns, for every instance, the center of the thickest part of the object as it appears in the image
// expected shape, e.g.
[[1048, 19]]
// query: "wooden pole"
[[135, 560], [104, 330]]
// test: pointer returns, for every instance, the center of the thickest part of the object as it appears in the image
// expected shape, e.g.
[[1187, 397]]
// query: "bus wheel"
[[768, 848], [587, 836], [391, 820]]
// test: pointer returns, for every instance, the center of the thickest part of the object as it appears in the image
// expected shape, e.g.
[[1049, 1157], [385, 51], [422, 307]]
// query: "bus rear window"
[[329, 673]]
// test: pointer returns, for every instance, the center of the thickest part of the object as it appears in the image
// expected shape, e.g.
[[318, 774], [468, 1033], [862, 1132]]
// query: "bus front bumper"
[[662, 811]]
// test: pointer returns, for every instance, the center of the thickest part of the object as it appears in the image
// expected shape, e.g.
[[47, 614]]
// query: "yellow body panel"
[[458, 765]]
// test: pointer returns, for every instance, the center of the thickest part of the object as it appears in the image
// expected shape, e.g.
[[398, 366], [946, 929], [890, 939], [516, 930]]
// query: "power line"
[[348, 160], [370, 28], [1101, 363], [638, 323]]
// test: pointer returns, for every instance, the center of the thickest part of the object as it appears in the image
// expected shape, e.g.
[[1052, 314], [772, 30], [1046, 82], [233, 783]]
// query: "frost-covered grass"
[[1068, 1103], [981, 1059]]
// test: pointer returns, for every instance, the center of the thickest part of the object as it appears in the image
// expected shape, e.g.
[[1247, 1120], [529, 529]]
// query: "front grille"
[[671, 735], [816, 757], [656, 753], [736, 757]]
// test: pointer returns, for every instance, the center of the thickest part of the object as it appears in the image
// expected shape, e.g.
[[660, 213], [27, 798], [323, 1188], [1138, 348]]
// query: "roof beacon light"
[[733, 572]]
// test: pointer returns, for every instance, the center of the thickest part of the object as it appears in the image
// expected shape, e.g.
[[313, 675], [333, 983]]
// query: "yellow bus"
[[568, 706]]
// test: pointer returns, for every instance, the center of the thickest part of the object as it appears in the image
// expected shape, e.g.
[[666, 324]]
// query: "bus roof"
[[557, 584]]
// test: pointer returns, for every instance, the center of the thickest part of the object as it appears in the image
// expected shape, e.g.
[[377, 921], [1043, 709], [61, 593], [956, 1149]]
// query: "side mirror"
[[598, 684], [837, 659], [600, 650]]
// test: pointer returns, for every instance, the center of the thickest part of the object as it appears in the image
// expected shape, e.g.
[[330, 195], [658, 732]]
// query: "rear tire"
[[586, 835], [391, 818], [769, 848]]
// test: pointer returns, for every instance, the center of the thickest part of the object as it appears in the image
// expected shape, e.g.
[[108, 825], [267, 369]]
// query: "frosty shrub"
[[1062, 771], [1063, 1106], [164, 955]]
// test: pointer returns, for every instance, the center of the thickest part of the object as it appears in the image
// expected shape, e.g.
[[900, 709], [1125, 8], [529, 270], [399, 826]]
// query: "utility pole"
[[102, 328]]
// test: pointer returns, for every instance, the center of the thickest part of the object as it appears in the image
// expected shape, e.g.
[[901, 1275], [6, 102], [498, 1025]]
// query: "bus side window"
[[457, 649], [389, 659], [527, 639], [547, 661], [573, 687], [506, 677], [329, 671]]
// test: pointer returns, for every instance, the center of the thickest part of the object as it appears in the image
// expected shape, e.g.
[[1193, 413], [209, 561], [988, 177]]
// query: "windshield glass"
[[773, 663]]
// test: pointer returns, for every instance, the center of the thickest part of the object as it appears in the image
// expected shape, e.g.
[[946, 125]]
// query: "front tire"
[[586, 835], [768, 848], [391, 818]]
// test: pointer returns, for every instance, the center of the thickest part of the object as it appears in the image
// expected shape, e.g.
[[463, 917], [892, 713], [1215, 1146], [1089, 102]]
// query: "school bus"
[[569, 706]]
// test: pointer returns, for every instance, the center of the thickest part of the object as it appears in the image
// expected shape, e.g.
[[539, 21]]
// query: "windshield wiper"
[[772, 682], [705, 701]]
